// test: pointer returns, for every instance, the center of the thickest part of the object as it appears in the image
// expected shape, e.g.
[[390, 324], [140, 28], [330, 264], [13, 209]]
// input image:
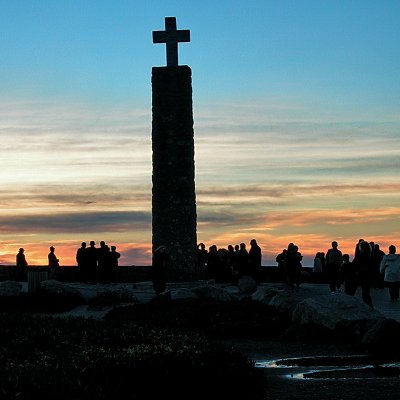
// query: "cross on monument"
[[171, 37]]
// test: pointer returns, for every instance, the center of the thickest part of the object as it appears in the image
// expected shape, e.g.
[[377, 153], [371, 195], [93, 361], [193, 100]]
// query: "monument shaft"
[[174, 218]]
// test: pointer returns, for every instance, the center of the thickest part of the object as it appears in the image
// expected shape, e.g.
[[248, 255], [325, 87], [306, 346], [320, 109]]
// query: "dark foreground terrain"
[[185, 349]]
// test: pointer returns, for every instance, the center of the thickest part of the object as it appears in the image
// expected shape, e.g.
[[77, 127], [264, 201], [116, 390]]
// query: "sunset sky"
[[297, 123]]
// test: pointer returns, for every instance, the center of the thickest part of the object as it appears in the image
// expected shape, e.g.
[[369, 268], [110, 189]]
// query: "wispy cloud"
[[76, 222], [273, 168]]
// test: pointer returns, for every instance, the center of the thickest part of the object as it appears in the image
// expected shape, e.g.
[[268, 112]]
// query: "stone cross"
[[171, 37]]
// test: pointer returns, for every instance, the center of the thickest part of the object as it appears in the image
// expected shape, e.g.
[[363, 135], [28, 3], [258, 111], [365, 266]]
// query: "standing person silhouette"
[[243, 261], [91, 254], [255, 257], [81, 262], [202, 255], [334, 260], [53, 265], [390, 269], [114, 256], [293, 265], [22, 265], [365, 270], [159, 267]]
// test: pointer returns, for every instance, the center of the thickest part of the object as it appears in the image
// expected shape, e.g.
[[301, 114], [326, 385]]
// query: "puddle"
[[336, 367]]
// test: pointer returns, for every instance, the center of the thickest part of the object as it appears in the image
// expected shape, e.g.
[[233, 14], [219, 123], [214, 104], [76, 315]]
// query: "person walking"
[[390, 269]]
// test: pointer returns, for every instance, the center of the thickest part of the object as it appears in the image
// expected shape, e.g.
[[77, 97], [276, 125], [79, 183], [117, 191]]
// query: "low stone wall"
[[136, 273]]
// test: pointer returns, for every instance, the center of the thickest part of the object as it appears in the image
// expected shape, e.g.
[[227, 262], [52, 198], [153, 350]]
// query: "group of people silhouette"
[[94, 264], [289, 264], [231, 263], [370, 267], [22, 264], [97, 264]]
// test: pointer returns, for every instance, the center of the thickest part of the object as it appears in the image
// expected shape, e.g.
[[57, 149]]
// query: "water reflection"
[[333, 367]]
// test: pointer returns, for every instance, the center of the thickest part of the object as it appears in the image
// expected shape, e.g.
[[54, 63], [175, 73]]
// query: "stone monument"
[[174, 218]]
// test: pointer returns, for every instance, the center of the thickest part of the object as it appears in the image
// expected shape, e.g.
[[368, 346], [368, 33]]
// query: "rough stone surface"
[[10, 288], [341, 313], [212, 292], [384, 334], [52, 286], [174, 218], [183, 294], [264, 295], [116, 294], [247, 284], [287, 300]]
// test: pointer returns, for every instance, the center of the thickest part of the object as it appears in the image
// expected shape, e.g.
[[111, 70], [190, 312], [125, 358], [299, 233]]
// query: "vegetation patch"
[[77, 358], [234, 319]]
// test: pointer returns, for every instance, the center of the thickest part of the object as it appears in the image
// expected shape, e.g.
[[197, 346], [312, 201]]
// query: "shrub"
[[214, 319], [83, 359]]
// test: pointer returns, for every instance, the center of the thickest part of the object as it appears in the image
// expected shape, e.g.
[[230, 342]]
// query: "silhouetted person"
[[53, 265], [293, 265], [213, 262], [232, 264], [243, 261], [377, 257], [334, 260], [323, 262], [202, 255], [104, 263], [390, 268], [365, 271], [224, 270], [348, 276], [81, 262], [159, 267], [280, 259], [91, 260], [255, 257], [357, 248], [114, 257], [317, 267], [22, 266]]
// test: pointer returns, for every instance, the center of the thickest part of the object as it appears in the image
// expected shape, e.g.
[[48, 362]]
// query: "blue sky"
[[296, 109]]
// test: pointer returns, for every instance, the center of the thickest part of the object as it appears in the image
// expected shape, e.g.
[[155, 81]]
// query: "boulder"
[[54, 287], [340, 313], [383, 336], [213, 293], [183, 294], [10, 288], [247, 285], [287, 300], [264, 295], [114, 294]]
